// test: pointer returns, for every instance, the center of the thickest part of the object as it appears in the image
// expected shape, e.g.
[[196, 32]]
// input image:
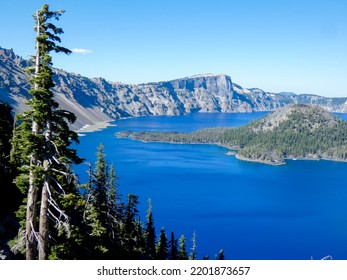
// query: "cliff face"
[[96, 100], [14, 88], [13, 80]]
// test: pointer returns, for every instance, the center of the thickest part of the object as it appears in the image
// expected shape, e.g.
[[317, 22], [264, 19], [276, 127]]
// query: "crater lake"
[[250, 210]]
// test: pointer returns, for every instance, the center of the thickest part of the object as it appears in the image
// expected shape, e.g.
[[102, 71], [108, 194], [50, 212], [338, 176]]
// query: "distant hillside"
[[293, 132], [97, 100]]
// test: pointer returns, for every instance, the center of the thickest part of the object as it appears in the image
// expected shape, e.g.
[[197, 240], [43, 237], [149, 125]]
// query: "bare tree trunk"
[[31, 210], [43, 228], [31, 216]]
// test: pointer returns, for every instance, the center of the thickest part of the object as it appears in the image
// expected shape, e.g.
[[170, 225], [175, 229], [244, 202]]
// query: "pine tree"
[[113, 207], [100, 185], [220, 255], [96, 207], [182, 251], [173, 252], [129, 229], [193, 255], [112, 193], [162, 246], [41, 142], [139, 249], [150, 232], [131, 213]]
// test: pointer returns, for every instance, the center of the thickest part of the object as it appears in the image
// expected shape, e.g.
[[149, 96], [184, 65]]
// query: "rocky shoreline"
[[94, 127], [240, 157]]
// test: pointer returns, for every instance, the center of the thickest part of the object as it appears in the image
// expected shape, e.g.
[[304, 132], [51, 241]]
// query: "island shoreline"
[[232, 151]]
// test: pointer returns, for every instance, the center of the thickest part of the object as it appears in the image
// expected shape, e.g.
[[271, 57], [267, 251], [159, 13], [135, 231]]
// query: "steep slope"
[[296, 131], [97, 100], [13, 81], [14, 88]]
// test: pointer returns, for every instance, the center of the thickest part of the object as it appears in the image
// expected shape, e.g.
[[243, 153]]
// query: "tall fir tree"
[[150, 233], [129, 226], [42, 142], [113, 197], [182, 251], [162, 252], [139, 250], [113, 211], [173, 244], [96, 206], [100, 184], [193, 254]]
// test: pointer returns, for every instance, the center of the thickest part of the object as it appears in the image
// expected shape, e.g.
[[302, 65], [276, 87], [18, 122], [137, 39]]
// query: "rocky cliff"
[[96, 100]]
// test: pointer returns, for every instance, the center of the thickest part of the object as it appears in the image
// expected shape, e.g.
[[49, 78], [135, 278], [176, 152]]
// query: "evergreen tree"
[[193, 255], [150, 233], [113, 209], [162, 246], [96, 207], [131, 213], [129, 229], [41, 142], [220, 255], [100, 185], [139, 249], [173, 252], [113, 199], [182, 251]]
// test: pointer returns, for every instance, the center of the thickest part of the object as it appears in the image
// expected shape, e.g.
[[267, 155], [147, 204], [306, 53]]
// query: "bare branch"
[[60, 187], [56, 148], [56, 207], [60, 224], [35, 235], [61, 172], [55, 159]]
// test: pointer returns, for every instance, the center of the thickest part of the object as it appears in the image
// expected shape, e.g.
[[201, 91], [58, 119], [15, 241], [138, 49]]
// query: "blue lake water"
[[251, 210]]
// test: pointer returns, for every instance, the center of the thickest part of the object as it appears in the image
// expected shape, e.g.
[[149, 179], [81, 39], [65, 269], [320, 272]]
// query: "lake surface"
[[251, 210]]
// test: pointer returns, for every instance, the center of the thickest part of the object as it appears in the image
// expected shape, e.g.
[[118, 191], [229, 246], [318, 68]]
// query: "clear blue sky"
[[293, 45]]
